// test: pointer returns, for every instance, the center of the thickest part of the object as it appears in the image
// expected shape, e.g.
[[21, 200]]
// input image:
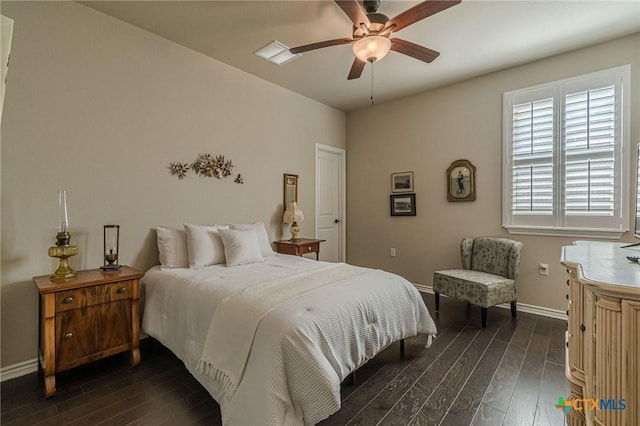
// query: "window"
[[565, 144]]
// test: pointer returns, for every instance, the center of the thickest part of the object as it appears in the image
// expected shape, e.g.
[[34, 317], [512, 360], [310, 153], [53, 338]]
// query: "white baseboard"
[[18, 370], [31, 366], [522, 307], [27, 367]]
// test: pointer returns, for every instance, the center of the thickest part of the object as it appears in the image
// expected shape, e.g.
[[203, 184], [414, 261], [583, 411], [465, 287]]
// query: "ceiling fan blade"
[[419, 12], [319, 45], [354, 12], [413, 50], [356, 69]]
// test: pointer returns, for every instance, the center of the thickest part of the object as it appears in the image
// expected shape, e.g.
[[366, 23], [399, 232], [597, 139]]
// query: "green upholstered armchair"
[[488, 278]]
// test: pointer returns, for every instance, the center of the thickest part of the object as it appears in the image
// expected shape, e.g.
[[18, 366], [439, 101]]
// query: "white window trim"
[[565, 232], [625, 72]]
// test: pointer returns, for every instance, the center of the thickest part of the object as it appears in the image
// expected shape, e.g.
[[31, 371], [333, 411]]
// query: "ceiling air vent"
[[276, 52]]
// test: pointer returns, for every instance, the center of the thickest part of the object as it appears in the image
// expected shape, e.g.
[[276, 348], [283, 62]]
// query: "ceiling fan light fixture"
[[371, 48]]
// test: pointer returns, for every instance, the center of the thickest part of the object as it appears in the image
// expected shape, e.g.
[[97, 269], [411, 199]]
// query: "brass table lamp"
[[62, 249]]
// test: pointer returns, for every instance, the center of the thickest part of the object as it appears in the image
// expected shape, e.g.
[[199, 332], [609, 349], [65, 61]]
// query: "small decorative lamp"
[[293, 215], [111, 247], [63, 250]]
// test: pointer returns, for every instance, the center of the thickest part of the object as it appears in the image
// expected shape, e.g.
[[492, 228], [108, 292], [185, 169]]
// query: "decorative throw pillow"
[[204, 245], [261, 233], [172, 248], [240, 246]]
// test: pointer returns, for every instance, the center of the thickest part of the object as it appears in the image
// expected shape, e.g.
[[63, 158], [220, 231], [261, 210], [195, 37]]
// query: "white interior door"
[[331, 202]]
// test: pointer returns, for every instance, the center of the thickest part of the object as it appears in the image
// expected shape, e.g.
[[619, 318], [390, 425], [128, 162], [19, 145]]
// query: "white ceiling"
[[473, 38]]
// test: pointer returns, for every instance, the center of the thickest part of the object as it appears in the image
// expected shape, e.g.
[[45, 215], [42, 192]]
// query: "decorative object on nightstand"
[[85, 318], [111, 247], [293, 215], [63, 250], [299, 246]]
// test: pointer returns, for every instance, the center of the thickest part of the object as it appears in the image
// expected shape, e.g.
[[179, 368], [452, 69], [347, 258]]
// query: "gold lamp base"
[[63, 252]]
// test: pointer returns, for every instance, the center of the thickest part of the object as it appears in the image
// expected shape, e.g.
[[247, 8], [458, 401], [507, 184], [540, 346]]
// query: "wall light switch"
[[392, 252]]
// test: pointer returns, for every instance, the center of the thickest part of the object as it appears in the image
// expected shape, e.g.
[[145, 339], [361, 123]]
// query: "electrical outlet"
[[543, 269], [392, 252]]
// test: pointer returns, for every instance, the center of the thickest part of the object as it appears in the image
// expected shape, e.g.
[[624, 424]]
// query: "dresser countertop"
[[604, 263]]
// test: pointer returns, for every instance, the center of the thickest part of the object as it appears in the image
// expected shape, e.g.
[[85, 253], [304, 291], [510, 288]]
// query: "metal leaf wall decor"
[[206, 165], [179, 169]]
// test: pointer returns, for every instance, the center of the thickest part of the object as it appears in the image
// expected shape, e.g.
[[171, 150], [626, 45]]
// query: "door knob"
[[336, 221]]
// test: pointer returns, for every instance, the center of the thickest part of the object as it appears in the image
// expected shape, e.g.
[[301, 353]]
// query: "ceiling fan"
[[371, 31]]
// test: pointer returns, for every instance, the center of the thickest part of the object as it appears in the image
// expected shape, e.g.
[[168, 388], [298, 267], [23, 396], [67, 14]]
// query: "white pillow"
[[204, 245], [172, 248], [240, 246], [261, 233]]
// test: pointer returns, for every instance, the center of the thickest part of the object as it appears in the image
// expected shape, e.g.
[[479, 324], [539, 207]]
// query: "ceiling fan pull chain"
[[372, 99]]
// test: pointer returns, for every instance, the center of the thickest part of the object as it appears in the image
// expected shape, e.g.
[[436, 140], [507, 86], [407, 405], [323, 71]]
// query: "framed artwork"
[[403, 205], [290, 189], [402, 182], [461, 181]]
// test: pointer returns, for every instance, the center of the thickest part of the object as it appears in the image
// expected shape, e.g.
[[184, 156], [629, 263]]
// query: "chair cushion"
[[479, 288]]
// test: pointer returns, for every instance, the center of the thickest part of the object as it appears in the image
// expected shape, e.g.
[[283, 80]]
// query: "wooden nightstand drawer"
[[310, 248], [89, 296], [288, 249]]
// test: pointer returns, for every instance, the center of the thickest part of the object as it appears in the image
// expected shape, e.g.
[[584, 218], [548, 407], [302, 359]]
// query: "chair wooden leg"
[[437, 301], [513, 309], [484, 317]]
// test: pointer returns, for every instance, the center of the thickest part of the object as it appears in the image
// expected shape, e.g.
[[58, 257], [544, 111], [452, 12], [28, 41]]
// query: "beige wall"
[[100, 108], [425, 134]]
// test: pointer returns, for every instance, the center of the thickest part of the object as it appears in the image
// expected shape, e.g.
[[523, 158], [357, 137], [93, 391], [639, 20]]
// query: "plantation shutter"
[[589, 134], [532, 157]]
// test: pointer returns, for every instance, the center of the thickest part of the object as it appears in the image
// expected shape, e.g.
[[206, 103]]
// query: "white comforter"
[[272, 341]]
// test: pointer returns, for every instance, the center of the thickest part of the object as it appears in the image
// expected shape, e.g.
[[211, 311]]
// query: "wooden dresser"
[[85, 318], [603, 339]]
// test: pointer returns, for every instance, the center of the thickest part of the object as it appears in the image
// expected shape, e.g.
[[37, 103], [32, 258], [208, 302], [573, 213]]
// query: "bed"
[[272, 340]]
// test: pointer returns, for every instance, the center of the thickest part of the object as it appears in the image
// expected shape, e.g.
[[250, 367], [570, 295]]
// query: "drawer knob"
[[309, 248], [68, 299], [122, 290], [567, 297], [582, 328], [68, 336]]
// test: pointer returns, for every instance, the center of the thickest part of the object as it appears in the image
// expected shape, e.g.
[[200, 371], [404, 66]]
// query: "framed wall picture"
[[402, 182], [403, 205], [461, 181], [290, 189]]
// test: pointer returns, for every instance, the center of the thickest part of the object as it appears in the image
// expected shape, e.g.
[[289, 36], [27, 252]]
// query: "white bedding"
[[272, 341]]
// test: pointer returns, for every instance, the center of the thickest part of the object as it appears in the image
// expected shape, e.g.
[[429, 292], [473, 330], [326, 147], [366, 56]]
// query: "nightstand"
[[86, 318], [299, 246]]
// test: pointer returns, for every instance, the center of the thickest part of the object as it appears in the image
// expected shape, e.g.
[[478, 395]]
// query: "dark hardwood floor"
[[511, 373]]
